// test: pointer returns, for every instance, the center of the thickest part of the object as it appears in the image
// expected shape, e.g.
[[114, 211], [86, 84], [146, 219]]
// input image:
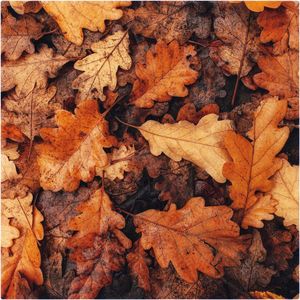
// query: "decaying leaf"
[[21, 263], [31, 71], [73, 151], [17, 34], [100, 67], [165, 74], [192, 238], [73, 16], [285, 191], [280, 74], [202, 144], [232, 25], [30, 112], [255, 162]]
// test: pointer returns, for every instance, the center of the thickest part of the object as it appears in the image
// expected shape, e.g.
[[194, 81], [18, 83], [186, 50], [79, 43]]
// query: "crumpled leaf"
[[202, 144], [165, 74], [281, 27], [192, 238], [285, 191], [31, 112], [280, 74], [17, 34], [170, 21], [255, 162], [237, 54], [100, 67], [73, 16], [138, 265], [31, 71], [23, 258], [252, 274], [22, 7], [73, 151]]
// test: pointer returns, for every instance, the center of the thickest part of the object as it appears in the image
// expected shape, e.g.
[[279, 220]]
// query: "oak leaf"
[[21, 263], [265, 295], [31, 112], [192, 238], [73, 151], [285, 191], [22, 7], [31, 71], [72, 16], [258, 6], [8, 232], [8, 169], [165, 74], [202, 144], [255, 162], [17, 34], [280, 74], [100, 67]]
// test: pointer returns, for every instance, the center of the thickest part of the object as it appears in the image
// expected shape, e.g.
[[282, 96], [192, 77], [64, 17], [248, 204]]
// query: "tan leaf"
[[30, 112], [280, 74], [192, 238], [165, 74], [8, 232], [17, 34], [100, 68], [255, 162], [265, 295], [22, 7], [73, 16], [285, 191], [8, 169], [202, 144], [10, 150], [73, 151], [31, 71], [237, 54]]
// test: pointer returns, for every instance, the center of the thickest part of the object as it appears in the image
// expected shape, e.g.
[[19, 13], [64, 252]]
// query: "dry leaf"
[[138, 264], [31, 71], [165, 74], [17, 34], [255, 162], [22, 7], [192, 238], [265, 295], [232, 25], [100, 68], [8, 232], [281, 27], [30, 112], [280, 74], [23, 258], [258, 6], [8, 169], [73, 151], [285, 191], [73, 16], [292, 112], [202, 144], [12, 132]]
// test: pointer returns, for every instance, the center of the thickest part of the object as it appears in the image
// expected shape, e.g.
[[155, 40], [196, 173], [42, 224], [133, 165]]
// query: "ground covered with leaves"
[[149, 149]]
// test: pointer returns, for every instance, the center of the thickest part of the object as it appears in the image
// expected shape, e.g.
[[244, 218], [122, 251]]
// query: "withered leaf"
[[192, 238], [255, 162], [22, 7], [165, 74], [8, 169], [73, 151]]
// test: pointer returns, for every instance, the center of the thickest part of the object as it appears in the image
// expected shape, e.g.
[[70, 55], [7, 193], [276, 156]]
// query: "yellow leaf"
[[258, 6]]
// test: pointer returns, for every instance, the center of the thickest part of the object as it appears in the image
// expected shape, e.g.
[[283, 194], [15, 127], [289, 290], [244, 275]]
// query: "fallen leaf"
[[280, 74], [12, 132], [138, 265], [292, 112], [258, 6], [201, 144], [72, 17], [30, 112], [265, 295], [255, 162], [192, 238], [169, 21], [237, 54], [22, 7], [100, 68], [31, 71], [252, 274], [285, 191], [165, 74], [73, 151], [8, 232], [17, 34], [8, 169]]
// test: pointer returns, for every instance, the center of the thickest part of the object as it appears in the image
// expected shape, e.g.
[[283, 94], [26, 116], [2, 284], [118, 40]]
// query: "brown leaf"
[[265, 295], [165, 75], [17, 34], [255, 162], [12, 132], [73, 151], [22, 7], [292, 112], [192, 238]]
